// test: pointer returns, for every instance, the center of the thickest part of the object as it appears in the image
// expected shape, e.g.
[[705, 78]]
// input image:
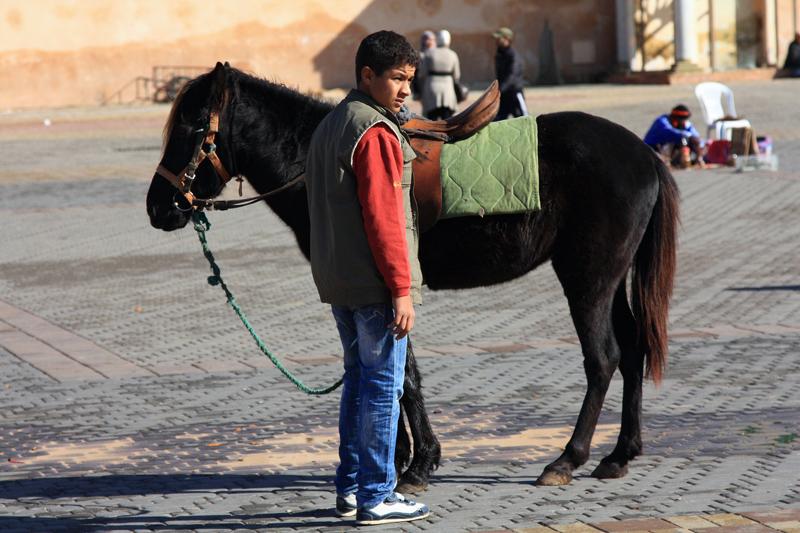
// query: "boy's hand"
[[403, 316]]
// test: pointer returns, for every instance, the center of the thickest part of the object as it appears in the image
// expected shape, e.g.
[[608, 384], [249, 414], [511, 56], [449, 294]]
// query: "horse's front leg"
[[427, 451], [601, 356]]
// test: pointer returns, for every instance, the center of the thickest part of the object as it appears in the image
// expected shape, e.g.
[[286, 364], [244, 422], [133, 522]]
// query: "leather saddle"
[[427, 138]]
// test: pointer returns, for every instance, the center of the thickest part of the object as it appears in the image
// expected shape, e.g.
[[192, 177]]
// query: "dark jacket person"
[[792, 63], [508, 67]]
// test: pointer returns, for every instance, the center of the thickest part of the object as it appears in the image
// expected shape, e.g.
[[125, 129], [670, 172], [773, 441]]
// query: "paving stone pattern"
[[132, 399]]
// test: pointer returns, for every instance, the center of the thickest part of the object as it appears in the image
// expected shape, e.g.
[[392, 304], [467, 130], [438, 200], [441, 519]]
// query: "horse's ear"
[[219, 83], [220, 72], [227, 65]]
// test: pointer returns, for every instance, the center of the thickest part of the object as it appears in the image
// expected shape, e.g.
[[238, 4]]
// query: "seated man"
[[675, 138], [792, 64]]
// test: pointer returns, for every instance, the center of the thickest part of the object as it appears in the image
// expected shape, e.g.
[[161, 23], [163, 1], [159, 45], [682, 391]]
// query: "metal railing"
[[162, 86]]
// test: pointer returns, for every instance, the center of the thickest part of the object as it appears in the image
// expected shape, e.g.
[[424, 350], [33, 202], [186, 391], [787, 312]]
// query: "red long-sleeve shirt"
[[378, 166]]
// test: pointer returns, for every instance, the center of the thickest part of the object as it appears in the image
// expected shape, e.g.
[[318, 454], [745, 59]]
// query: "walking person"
[[508, 67], [427, 41], [439, 71], [364, 262]]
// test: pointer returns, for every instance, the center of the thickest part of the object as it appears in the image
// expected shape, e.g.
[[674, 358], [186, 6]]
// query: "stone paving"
[[132, 399]]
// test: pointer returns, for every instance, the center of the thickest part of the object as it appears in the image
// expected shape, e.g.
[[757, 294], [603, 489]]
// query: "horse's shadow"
[[256, 522], [121, 489], [117, 485], [129, 515]]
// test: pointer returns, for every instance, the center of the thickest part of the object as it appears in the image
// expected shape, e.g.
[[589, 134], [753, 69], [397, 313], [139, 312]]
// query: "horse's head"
[[197, 159]]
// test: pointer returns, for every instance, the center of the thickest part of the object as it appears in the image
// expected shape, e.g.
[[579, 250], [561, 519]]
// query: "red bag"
[[718, 151]]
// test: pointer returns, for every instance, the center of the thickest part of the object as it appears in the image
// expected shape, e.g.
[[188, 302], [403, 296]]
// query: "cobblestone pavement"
[[132, 399]]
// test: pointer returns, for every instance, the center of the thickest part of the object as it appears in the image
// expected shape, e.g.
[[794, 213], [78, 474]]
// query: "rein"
[[201, 226], [222, 205], [183, 183]]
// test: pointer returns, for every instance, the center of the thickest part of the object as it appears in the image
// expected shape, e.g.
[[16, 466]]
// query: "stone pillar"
[[796, 16], [685, 37], [770, 33], [626, 45]]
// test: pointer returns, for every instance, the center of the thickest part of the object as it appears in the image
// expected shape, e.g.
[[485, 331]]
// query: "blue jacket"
[[663, 132]]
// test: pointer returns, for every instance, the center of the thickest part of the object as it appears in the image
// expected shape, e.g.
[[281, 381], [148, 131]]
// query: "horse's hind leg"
[[589, 286], [427, 450], [629, 443]]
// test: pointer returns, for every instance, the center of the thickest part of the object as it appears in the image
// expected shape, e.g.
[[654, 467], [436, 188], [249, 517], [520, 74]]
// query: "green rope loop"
[[201, 225]]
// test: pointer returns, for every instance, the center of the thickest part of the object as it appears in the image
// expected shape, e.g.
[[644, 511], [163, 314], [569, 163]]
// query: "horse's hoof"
[[551, 478], [610, 470], [411, 488], [411, 484]]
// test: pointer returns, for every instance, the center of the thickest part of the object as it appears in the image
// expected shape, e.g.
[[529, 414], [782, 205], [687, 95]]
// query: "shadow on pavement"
[[139, 485], [766, 288], [260, 522], [41, 497], [48, 512]]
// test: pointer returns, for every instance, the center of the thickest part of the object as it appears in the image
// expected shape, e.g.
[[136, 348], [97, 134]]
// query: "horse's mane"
[[304, 109], [238, 80], [173, 112]]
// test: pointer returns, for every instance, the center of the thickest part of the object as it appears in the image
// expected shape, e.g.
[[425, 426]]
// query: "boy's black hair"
[[383, 50]]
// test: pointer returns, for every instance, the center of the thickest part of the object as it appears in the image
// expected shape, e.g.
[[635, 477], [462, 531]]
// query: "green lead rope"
[[201, 225]]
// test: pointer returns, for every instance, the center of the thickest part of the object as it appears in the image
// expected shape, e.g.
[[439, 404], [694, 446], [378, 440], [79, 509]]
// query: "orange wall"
[[78, 52]]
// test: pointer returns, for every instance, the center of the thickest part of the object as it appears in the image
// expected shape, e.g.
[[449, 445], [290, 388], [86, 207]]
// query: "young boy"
[[364, 262]]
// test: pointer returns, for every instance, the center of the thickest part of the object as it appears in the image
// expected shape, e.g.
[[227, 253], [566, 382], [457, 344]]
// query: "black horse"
[[609, 207]]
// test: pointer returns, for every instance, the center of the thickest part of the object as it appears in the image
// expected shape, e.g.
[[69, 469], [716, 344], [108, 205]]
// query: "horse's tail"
[[654, 271]]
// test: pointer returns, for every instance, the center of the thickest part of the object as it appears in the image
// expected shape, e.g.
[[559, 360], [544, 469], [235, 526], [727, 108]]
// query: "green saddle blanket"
[[495, 171]]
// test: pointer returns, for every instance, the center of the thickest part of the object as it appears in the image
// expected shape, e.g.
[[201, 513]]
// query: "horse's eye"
[[187, 130]]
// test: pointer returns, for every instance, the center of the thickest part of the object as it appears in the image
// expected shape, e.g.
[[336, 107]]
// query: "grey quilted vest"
[[341, 260]]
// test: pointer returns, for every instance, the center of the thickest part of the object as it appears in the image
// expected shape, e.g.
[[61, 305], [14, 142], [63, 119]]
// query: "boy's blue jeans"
[[374, 368]]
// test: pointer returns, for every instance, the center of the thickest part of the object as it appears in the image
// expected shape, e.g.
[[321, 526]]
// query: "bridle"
[[185, 178]]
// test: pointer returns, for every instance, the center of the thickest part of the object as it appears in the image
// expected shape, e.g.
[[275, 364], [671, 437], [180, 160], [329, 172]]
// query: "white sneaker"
[[395, 508], [346, 505]]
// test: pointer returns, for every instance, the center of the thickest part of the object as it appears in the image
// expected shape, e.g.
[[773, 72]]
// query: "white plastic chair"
[[716, 102]]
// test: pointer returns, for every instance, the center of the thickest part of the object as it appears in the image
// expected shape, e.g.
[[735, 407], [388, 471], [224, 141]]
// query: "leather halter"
[[184, 179]]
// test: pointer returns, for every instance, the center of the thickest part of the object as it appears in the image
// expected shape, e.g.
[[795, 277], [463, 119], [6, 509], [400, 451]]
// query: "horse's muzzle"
[[167, 218]]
